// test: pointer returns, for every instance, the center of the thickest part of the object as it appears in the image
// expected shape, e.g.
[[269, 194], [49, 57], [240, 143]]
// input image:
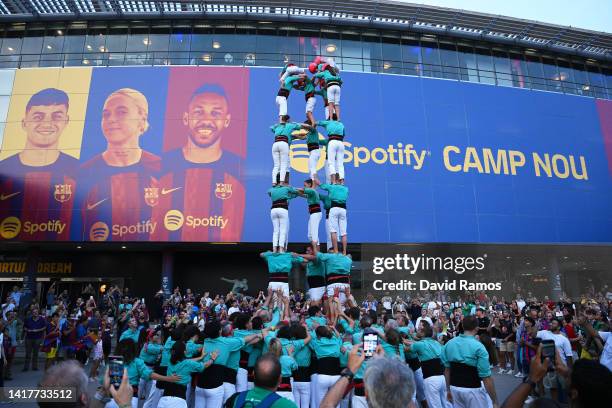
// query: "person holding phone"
[[553, 382]]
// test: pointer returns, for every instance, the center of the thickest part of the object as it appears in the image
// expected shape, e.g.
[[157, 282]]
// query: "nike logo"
[[170, 190], [94, 205], [7, 196]]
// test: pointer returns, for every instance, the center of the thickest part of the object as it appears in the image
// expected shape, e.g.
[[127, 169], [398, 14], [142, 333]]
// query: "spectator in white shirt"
[[423, 317]]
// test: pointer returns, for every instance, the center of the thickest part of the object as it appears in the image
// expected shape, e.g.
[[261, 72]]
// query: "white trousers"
[[280, 224], [313, 390], [435, 392], [337, 221], [327, 172], [154, 396], [313, 159], [359, 402], [281, 101], [324, 383], [313, 227], [280, 156], [310, 104], [343, 289], [292, 70], [328, 234], [316, 294], [333, 94], [229, 389], [420, 385], [209, 398], [470, 397], [172, 402], [241, 380], [301, 394], [144, 388], [335, 156]]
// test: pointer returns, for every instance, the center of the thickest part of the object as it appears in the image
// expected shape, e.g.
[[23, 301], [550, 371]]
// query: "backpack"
[[241, 402]]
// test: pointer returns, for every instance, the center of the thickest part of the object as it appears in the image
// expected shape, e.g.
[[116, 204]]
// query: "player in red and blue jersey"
[[201, 180], [121, 181], [37, 185]]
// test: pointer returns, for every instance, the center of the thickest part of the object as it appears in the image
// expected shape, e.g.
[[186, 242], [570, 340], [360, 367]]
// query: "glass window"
[[31, 48], [11, 48], [267, 50], [468, 70], [201, 46], [288, 43], [330, 47], [431, 58], [116, 41], [245, 44], [503, 71], [551, 73], [372, 53], [392, 56], [158, 39], [607, 72], [310, 45], [138, 40], [411, 57], [227, 47], [352, 53], [52, 49], [179, 44], [566, 76], [536, 72], [448, 58], [596, 81], [486, 70], [518, 67], [73, 47], [580, 76]]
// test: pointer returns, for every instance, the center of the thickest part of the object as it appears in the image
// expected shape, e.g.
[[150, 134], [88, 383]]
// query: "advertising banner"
[[184, 154]]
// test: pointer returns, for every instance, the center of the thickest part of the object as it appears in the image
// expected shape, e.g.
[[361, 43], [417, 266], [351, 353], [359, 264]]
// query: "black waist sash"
[[285, 385], [280, 204], [244, 359], [230, 375], [314, 208], [315, 281], [161, 371], [309, 95], [283, 92], [432, 367], [335, 137], [413, 363], [328, 366], [212, 377], [358, 387], [175, 390], [281, 139], [302, 374], [312, 146], [327, 214], [333, 82], [338, 278], [282, 277], [338, 204], [463, 375]]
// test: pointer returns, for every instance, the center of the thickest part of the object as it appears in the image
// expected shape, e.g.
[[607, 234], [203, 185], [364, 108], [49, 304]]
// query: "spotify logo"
[[99, 231], [173, 220], [10, 227], [298, 154]]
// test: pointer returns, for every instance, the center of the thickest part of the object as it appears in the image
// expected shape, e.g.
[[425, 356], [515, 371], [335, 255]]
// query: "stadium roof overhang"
[[381, 14]]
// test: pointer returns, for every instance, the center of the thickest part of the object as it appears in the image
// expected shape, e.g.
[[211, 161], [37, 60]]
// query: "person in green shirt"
[[313, 142], [157, 388], [137, 369], [326, 346], [333, 82], [176, 395], [279, 214], [288, 365], [335, 148], [428, 351], [279, 267], [150, 354], [327, 206], [267, 374], [286, 84], [284, 133], [338, 194], [315, 276], [466, 363], [314, 209]]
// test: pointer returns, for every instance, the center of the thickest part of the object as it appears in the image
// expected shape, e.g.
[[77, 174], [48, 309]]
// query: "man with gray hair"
[[388, 383]]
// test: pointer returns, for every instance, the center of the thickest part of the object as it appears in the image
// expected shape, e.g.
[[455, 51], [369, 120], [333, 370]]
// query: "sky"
[[590, 14]]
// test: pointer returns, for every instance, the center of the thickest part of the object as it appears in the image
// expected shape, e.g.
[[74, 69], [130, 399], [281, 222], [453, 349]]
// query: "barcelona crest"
[[151, 196], [223, 191], [63, 192]]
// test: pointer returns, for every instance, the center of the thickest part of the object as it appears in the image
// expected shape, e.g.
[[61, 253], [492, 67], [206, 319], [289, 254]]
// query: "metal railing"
[[250, 59]]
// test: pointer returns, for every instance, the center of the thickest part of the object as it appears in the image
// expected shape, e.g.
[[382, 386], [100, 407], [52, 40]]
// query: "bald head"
[[267, 372]]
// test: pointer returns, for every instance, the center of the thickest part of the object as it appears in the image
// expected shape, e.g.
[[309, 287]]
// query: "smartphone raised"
[[115, 370], [370, 342], [548, 350]]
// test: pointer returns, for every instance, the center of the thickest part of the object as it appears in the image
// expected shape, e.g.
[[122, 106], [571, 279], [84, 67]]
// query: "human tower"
[[325, 271]]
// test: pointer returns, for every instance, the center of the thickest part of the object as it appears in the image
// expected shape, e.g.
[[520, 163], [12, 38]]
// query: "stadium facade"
[[468, 135]]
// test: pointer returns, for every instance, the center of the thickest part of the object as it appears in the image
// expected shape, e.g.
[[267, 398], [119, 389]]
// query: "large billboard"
[[184, 154]]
